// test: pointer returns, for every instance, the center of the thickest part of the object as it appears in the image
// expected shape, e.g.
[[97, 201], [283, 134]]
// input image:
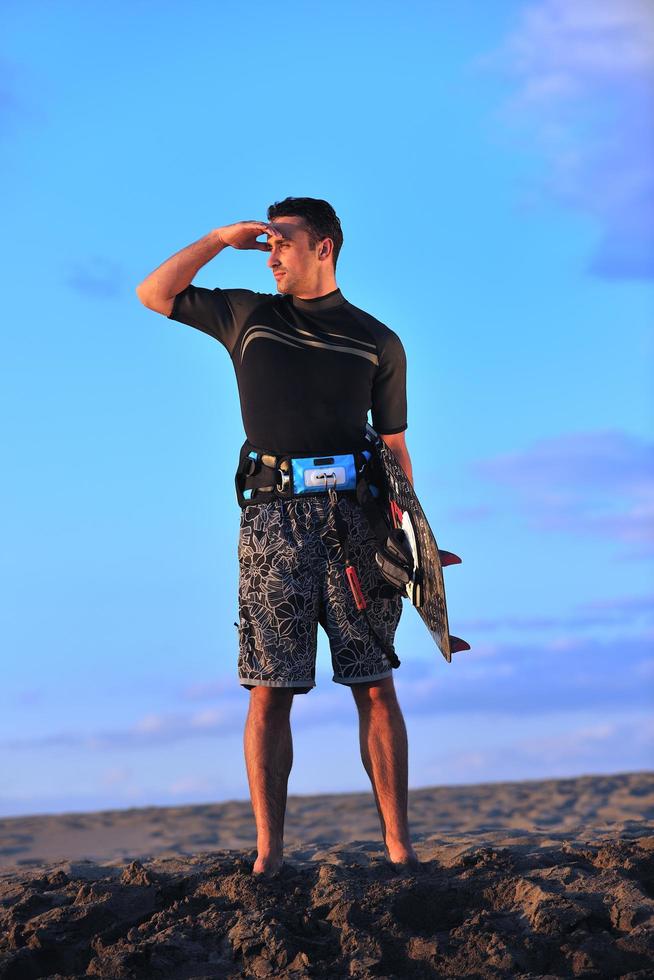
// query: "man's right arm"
[[158, 290]]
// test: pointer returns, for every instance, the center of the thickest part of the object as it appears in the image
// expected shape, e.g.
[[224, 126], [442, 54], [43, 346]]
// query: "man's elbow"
[[152, 302], [142, 294], [396, 442]]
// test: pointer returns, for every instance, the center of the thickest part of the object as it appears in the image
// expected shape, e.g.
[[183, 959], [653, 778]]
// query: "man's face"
[[293, 261]]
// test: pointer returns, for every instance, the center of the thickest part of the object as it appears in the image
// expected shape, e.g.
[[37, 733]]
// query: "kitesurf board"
[[426, 590]]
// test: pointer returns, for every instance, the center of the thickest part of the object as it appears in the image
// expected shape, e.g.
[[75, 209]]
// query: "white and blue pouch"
[[312, 474]]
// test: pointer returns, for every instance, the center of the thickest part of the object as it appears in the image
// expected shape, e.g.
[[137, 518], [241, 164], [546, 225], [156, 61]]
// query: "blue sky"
[[493, 168]]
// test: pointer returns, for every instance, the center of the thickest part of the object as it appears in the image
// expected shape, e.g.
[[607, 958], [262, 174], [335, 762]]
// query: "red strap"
[[355, 586]]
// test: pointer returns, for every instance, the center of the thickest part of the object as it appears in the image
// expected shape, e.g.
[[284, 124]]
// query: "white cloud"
[[116, 776], [573, 43], [622, 611], [586, 748], [202, 690], [556, 746], [192, 785], [565, 673], [150, 724], [584, 77], [591, 483], [210, 718]]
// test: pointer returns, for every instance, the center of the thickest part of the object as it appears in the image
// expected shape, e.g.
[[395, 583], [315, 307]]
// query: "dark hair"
[[318, 215]]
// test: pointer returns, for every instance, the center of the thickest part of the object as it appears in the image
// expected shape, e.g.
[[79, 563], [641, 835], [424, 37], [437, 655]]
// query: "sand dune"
[[534, 879]]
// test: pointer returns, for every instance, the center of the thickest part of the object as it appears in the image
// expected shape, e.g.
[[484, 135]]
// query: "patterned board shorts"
[[292, 577]]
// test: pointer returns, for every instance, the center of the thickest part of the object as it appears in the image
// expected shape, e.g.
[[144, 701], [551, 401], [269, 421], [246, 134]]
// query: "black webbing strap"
[[256, 476], [372, 510], [341, 530]]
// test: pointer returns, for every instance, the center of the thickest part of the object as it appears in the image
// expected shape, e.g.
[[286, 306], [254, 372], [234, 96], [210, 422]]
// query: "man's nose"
[[273, 258]]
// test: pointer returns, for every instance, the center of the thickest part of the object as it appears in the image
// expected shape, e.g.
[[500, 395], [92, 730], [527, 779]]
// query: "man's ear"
[[325, 248]]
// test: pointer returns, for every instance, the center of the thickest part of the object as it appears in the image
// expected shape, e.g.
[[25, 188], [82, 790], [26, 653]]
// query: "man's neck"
[[326, 284]]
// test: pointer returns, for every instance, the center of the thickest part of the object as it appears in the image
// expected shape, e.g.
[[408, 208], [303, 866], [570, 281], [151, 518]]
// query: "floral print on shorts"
[[292, 577]]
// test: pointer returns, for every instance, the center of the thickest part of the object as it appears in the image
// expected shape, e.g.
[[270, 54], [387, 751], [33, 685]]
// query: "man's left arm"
[[397, 444]]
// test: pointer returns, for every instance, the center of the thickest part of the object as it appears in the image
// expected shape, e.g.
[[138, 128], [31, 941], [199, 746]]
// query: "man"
[[309, 365]]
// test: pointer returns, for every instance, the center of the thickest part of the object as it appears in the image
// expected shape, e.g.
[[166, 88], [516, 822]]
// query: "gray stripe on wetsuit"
[[261, 330]]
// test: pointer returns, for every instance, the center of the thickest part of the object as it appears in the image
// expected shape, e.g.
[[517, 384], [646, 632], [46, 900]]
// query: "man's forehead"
[[288, 227]]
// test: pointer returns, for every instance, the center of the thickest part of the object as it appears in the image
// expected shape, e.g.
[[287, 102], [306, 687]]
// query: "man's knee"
[[271, 701], [375, 695]]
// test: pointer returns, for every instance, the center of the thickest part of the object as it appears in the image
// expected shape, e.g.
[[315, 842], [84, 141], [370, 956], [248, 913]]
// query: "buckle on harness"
[[250, 465], [283, 481]]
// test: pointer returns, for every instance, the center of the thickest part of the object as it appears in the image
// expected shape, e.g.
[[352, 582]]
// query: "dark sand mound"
[[503, 905]]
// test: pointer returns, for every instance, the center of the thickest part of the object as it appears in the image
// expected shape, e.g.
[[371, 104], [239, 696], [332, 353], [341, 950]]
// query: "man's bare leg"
[[384, 753], [268, 758]]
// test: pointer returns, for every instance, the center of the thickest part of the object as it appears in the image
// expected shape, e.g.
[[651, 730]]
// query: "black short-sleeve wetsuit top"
[[308, 370]]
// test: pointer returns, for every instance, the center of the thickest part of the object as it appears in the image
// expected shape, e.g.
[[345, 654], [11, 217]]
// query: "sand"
[[544, 879]]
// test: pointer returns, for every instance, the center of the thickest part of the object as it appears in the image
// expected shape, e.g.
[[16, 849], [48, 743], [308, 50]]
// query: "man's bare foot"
[[402, 856], [267, 865]]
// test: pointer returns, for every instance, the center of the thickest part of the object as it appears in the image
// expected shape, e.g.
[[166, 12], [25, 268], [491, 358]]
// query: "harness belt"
[[262, 477]]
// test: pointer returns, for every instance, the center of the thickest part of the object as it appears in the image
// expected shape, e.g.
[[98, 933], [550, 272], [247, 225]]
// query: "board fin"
[[448, 558], [457, 644]]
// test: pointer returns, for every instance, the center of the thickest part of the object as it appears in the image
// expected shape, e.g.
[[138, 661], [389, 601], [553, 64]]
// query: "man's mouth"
[[279, 272]]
